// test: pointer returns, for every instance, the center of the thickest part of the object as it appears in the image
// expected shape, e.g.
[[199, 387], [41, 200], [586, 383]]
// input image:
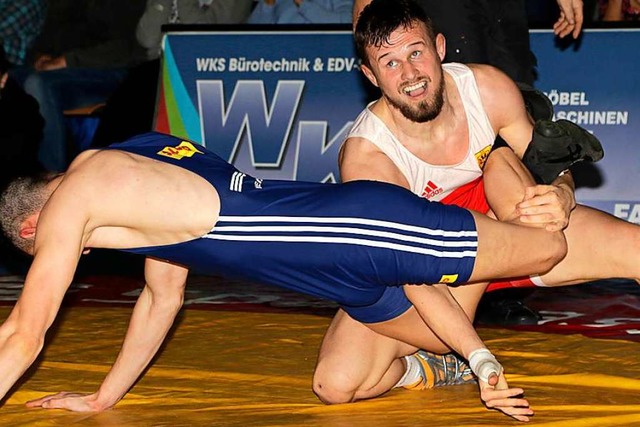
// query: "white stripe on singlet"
[[391, 235]]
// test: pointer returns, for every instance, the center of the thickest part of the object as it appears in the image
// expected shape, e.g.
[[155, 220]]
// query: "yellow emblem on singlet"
[[185, 149], [448, 278], [481, 156]]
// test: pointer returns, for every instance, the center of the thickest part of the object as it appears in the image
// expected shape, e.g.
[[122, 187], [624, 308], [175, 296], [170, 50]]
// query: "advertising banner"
[[277, 104], [595, 84]]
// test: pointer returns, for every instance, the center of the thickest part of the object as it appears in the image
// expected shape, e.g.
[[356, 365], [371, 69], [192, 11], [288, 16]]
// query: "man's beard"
[[425, 111]]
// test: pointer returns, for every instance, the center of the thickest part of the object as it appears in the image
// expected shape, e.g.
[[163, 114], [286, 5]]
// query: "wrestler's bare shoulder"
[[491, 80], [139, 201], [95, 161], [499, 94], [117, 168]]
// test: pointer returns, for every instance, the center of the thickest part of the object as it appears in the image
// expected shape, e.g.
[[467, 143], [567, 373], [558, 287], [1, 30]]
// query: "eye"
[[392, 64], [416, 54]]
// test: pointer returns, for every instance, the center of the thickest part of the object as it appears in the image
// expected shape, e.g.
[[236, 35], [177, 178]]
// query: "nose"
[[409, 71]]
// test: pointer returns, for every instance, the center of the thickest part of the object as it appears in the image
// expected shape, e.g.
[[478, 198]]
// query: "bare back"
[[132, 201]]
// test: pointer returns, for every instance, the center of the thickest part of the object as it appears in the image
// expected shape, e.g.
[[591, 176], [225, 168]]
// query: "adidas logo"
[[431, 190], [237, 179]]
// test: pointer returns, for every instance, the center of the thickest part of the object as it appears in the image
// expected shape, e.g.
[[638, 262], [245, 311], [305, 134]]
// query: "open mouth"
[[415, 89]]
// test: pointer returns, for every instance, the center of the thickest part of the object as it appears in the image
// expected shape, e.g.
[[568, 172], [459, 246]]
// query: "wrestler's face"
[[408, 71]]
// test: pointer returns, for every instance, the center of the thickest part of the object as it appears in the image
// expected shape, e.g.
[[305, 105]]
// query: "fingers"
[[579, 18], [515, 408], [493, 379], [509, 401], [570, 20], [39, 402], [544, 206], [562, 26], [63, 400], [502, 382]]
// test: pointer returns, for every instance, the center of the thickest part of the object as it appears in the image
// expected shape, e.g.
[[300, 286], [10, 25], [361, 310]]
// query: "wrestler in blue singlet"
[[353, 243]]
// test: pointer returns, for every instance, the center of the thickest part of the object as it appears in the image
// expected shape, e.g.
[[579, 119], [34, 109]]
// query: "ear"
[[441, 46], [369, 75], [3, 80], [28, 226]]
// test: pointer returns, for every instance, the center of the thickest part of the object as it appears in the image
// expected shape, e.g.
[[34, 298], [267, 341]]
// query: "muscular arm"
[[361, 160], [444, 316], [58, 247], [510, 189], [505, 107], [151, 320]]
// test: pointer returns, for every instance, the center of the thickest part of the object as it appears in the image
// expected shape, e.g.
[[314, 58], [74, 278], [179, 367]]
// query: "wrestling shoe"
[[438, 370], [555, 146], [537, 104], [505, 311]]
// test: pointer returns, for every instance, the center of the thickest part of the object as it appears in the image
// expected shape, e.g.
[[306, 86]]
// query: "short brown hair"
[[380, 18], [22, 197]]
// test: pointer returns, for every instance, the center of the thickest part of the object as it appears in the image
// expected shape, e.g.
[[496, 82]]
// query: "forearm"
[[17, 353], [565, 181], [444, 316], [151, 320]]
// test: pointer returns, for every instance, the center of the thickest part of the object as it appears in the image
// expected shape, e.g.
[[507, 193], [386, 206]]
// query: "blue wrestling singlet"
[[353, 243]]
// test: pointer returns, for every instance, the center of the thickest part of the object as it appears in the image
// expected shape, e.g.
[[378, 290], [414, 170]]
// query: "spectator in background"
[[160, 12], [21, 129], [21, 22], [619, 10], [79, 58], [130, 109], [302, 12]]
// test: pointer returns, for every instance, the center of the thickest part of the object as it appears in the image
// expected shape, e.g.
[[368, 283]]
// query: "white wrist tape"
[[483, 364]]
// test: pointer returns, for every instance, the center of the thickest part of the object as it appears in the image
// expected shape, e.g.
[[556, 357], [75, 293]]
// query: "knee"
[[555, 251], [333, 387]]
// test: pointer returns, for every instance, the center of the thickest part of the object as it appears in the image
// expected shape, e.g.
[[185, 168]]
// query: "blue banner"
[[595, 84], [278, 104], [275, 104]]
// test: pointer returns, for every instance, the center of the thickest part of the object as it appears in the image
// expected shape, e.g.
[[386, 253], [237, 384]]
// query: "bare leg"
[[600, 246], [355, 362], [591, 234], [505, 178], [506, 250]]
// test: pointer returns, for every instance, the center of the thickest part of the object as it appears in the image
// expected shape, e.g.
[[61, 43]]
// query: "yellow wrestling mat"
[[254, 369]]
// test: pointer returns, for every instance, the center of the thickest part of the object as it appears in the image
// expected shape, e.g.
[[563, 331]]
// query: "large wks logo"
[[262, 137]]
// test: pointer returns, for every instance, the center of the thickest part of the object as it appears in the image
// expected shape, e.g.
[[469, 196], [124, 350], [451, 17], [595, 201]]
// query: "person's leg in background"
[[66, 89], [130, 109]]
